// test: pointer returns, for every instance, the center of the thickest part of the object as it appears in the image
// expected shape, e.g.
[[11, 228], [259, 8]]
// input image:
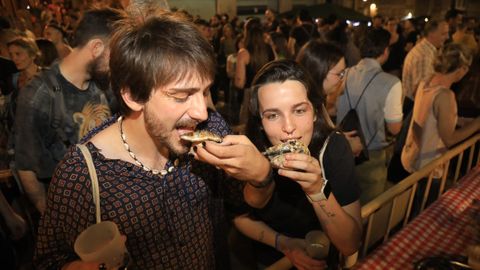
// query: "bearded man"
[[58, 107], [169, 205]]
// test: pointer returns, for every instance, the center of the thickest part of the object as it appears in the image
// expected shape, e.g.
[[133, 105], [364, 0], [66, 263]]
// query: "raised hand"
[[237, 156], [305, 170]]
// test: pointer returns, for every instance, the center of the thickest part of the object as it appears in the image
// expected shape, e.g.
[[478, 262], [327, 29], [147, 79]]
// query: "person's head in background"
[[436, 32], [228, 31], [143, 9], [54, 33], [377, 21], [91, 42], [170, 98], [453, 17], [225, 19], [392, 25], [376, 45], [6, 35], [409, 25], [326, 63], [270, 15], [284, 28], [48, 51], [304, 17], [23, 52], [204, 28], [215, 20], [453, 60], [286, 105], [279, 46]]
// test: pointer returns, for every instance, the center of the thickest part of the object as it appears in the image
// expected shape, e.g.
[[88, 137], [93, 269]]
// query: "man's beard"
[[162, 137], [101, 78]]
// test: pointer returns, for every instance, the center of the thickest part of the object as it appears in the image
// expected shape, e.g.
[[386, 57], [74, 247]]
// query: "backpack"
[[351, 121]]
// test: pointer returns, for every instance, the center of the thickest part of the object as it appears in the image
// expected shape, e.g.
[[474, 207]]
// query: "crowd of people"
[[128, 81]]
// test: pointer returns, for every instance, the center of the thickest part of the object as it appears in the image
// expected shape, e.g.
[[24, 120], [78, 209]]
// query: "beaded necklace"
[[134, 157]]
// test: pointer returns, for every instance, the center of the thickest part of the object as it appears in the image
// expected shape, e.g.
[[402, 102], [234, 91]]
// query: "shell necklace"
[[134, 157]]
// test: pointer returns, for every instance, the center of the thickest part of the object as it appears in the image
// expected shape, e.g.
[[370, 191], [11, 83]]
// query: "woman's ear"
[[130, 102]]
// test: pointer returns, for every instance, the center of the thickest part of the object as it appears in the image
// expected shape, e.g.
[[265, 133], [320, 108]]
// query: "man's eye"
[[178, 97], [206, 93]]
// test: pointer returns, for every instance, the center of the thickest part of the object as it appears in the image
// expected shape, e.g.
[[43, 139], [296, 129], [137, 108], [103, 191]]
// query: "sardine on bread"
[[201, 136], [276, 153]]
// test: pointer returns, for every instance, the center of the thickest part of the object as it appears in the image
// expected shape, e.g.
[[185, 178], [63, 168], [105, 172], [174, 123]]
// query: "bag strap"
[[93, 177], [363, 91], [320, 157]]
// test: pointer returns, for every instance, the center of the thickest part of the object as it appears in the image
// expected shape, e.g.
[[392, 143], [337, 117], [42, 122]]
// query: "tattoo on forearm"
[[328, 213], [262, 234]]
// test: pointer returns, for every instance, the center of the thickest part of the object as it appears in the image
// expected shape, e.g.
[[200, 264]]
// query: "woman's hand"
[[295, 250], [237, 156], [305, 170]]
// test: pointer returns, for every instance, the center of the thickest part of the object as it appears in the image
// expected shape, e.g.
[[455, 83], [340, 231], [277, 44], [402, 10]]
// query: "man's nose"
[[198, 108]]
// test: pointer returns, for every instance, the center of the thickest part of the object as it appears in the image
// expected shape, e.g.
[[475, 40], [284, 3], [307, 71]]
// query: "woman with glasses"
[[326, 63]]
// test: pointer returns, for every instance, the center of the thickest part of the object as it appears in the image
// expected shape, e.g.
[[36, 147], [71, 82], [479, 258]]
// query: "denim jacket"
[[51, 115]]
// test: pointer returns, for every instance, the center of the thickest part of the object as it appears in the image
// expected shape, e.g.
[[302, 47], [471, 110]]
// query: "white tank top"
[[423, 143]]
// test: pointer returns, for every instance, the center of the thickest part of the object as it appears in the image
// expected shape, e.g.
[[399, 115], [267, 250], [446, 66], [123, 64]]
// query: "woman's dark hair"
[[260, 52], [48, 51], [319, 58], [280, 43], [279, 72]]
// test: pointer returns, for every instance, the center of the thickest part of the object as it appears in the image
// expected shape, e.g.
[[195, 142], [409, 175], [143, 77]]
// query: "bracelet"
[[277, 235], [264, 183]]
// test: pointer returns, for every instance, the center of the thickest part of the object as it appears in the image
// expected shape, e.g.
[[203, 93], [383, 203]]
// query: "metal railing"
[[393, 208]]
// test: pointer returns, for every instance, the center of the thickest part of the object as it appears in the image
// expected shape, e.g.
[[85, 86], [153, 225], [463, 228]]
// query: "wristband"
[[264, 183], [322, 195]]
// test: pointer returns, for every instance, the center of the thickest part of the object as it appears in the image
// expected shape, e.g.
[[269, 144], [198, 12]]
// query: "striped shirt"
[[418, 66]]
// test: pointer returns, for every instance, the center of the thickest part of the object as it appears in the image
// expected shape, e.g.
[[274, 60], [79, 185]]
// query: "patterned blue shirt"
[[176, 221]]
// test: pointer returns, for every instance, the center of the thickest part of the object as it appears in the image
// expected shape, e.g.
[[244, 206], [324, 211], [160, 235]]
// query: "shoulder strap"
[[320, 157], [363, 91], [93, 177]]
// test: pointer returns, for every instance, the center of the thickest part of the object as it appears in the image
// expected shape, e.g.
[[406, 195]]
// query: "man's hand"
[[237, 156]]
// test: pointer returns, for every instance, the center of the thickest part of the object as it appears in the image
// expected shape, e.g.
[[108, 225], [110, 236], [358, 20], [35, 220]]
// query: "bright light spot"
[[369, 24], [409, 15], [364, 0], [348, 22], [355, 24], [426, 19], [28, 6], [373, 6]]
